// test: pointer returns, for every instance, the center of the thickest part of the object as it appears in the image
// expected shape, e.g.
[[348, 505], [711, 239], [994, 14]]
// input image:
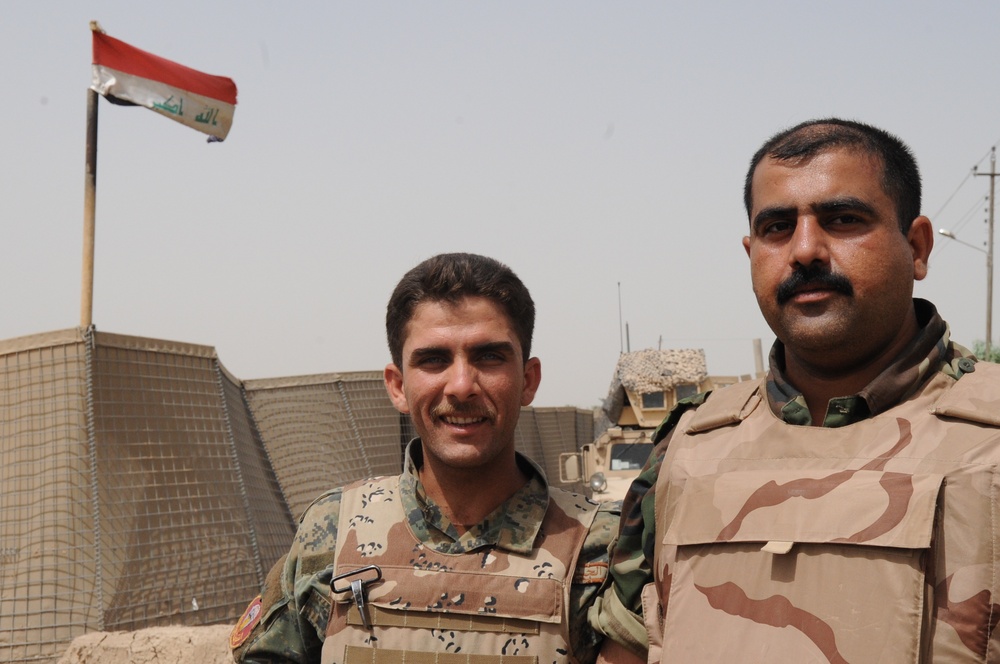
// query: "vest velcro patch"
[[317, 563], [445, 621], [359, 655]]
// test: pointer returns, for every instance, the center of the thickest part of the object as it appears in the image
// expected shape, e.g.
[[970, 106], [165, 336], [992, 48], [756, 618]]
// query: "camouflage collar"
[[513, 526], [931, 350]]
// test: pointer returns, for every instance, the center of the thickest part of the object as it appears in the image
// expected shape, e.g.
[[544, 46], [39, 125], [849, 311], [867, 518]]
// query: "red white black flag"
[[127, 74]]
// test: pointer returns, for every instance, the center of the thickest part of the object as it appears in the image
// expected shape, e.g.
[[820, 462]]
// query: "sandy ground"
[[157, 645]]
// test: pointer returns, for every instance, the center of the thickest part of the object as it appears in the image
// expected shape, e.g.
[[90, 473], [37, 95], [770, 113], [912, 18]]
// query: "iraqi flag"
[[126, 74]]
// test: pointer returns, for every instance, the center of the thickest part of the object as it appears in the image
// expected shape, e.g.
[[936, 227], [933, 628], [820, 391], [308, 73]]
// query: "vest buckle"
[[360, 579]]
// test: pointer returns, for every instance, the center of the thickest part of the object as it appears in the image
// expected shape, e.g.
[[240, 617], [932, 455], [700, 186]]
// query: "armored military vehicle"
[[645, 386]]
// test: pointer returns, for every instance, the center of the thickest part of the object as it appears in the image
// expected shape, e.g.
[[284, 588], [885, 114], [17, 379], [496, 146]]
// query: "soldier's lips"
[[813, 294], [462, 421], [462, 416]]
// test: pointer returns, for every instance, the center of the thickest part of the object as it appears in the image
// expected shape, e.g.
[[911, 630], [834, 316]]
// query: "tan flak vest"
[[487, 606], [874, 542]]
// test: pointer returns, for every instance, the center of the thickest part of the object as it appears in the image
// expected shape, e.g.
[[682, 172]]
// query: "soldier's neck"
[[821, 377], [467, 496]]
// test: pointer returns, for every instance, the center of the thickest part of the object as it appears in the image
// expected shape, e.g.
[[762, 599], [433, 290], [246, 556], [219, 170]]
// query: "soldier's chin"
[[812, 334]]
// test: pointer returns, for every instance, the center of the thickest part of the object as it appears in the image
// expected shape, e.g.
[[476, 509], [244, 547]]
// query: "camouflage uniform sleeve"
[[590, 577], [617, 613], [295, 598]]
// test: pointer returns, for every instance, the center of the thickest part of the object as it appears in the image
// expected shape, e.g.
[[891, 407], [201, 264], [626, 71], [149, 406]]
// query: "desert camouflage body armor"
[[872, 542], [483, 607]]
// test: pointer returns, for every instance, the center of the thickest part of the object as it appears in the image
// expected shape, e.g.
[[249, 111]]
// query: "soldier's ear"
[[532, 378], [921, 240], [393, 378]]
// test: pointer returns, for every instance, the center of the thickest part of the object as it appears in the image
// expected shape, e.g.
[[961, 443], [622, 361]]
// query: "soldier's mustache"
[[813, 275], [460, 410]]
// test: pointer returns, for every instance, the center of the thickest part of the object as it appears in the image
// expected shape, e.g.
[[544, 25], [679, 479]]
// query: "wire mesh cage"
[[326, 430], [126, 470]]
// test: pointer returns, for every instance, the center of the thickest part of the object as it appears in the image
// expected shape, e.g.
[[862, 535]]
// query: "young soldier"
[[467, 552]]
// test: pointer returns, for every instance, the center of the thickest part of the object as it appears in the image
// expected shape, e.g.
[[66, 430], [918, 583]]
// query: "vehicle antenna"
[[621, 339]]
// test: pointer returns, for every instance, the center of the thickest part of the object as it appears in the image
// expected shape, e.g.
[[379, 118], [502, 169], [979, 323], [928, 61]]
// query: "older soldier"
[[844, 509], [468, 552]]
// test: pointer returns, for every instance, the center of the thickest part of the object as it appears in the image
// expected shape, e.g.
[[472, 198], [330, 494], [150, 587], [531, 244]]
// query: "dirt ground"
[[156, 645]]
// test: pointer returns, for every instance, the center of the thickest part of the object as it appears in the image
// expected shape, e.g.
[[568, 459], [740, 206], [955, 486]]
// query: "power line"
[[967, 177], [969, 214]]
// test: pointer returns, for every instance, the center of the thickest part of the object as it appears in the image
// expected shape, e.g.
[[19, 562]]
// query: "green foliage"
[[979, 348]]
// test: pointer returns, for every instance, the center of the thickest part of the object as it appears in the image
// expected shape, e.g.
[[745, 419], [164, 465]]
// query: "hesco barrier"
[[142, 485], [325, 430], [134, 490]]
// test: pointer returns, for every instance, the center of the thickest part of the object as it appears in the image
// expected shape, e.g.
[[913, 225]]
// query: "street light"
[[989, 284], [951, 236]]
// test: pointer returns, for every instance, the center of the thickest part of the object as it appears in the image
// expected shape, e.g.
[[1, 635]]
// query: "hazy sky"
[[586, 144]]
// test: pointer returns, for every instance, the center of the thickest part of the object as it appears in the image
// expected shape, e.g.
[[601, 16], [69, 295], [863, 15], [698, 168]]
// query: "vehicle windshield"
[[632, 456]]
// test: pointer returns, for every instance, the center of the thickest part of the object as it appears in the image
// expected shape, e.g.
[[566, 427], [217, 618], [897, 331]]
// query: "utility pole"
[[989, 252]]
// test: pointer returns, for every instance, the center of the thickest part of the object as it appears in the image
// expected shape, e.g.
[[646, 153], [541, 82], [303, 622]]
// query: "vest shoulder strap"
[[674, 416], [974, 397], [730, 405]]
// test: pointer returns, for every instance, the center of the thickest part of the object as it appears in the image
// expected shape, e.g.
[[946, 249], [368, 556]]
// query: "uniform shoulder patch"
[[245, 624]]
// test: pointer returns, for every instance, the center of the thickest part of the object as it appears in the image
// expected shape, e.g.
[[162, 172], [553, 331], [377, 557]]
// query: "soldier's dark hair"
[[900, 175], [449, 278]]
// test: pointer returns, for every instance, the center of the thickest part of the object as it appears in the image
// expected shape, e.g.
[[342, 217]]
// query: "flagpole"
[[89, 209]]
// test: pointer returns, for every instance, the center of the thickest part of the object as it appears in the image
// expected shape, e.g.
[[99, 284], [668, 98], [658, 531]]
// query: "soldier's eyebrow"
[[504, 347], [844, 204], [771, 213], [419, 354]]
